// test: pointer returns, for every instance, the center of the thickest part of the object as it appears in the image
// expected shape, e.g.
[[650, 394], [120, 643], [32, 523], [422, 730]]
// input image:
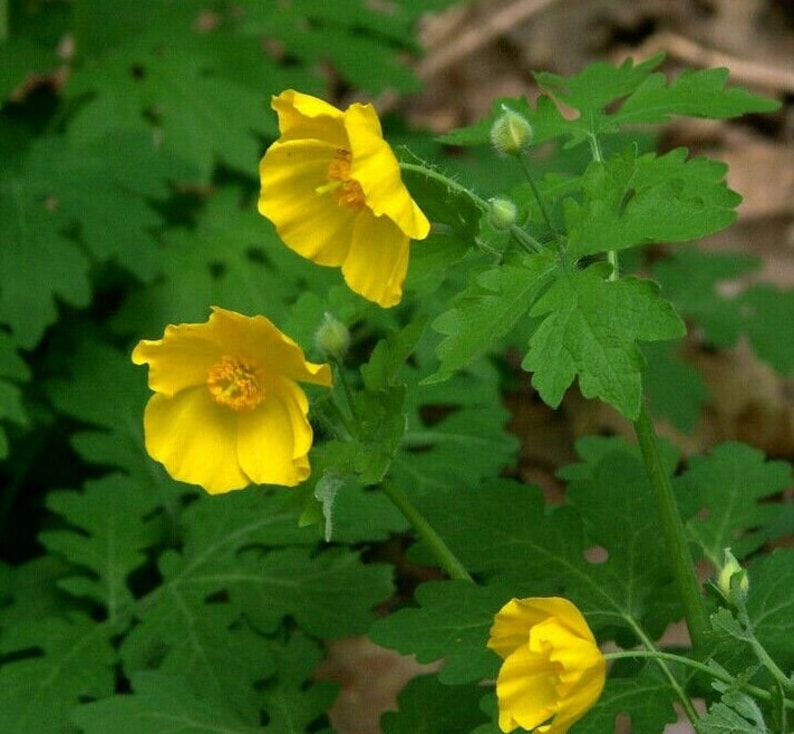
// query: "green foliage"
[[13, 370], [733, 482], [590, 331], [693, 279], [592, 326], [630, 200], [161, 704], [58, 662], [451, 622], [426, 707], [769, 607], [129, 202], [602, 550], [642, 96]]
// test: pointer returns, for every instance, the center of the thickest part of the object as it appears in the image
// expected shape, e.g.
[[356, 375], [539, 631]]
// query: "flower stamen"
[[347, 191], [235, 383]]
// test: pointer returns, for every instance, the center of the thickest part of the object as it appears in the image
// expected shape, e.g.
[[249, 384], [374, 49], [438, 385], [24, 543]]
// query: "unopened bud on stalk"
[[332, 338], [502, 213], [732, 579], [511, 133]]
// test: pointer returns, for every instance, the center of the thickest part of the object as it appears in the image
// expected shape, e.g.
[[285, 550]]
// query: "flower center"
[[235, 383], [347, 192]]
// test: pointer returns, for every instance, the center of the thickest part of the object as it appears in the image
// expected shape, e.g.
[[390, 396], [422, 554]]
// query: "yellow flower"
[[332, 186], [227, 410], [553, 671]]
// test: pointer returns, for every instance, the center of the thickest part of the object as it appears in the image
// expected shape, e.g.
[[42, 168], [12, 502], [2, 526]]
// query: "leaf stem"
[[760, 652], [672, 527], [349, 398], [446, 558], [523, 237], [686, 702], [701, 667], [536, 191], [612, 255]]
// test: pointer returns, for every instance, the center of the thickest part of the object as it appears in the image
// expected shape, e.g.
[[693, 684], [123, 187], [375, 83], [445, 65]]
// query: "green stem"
[[612, 255], [536, 191], [526, 240], [5, 23], [672, 528], [686, 702], [761, 653], [446, 558], [349, 398], [701, 667], [448, 182]]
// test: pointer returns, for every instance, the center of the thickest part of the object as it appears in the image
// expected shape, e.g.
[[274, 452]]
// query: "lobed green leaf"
[[726, 494], [590, 328]]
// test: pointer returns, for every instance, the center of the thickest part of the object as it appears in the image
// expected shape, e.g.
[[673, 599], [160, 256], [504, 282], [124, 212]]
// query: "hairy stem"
[[446, 558], [715, 673], [672, 528], [524, 238], [536, 192], [660, 658]]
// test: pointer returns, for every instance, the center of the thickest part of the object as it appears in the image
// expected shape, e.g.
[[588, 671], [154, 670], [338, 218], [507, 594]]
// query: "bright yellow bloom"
[[553, 671], [332, 186], [227, 411]]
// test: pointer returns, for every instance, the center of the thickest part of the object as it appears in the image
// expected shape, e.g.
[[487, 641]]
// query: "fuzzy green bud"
[[332, 338], [502, 213], [732, 579], [511, 133]]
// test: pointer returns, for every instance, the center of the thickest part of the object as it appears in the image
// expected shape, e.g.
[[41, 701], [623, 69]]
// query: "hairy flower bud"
[[332, 338], [511, 133], [502, 213]]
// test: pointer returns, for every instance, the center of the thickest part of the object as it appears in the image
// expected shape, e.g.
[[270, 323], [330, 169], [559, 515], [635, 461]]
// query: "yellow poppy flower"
[[227, 411], [553, 671], [332, 186]]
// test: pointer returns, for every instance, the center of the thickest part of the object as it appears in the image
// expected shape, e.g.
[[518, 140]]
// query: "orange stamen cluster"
[[347, 191], [236, 383]]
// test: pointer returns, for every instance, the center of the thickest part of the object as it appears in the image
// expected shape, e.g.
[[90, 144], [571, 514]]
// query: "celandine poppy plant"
[[227, 411], [553, 671], [332, 186]]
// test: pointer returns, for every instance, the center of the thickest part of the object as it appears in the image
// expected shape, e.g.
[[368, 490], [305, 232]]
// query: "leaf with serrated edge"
[[590, 331], [724, 493]]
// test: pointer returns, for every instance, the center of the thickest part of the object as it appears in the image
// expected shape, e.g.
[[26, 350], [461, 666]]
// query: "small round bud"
[[332, 338], [511, 133], [502, 213], [732, 579]]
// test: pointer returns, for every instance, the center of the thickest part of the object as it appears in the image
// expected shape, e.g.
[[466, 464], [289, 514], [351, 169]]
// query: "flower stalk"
[[673, 531], [446, 558], [526, 240]]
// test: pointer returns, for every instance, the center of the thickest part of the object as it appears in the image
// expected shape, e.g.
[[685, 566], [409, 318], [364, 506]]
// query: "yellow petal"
[[181, 359], [515, 619], [274, 440], [310, 223], [553, 669], [301, 116], [378, 260], [195, 439], [526, 690], [258, 339], [377, 170]]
